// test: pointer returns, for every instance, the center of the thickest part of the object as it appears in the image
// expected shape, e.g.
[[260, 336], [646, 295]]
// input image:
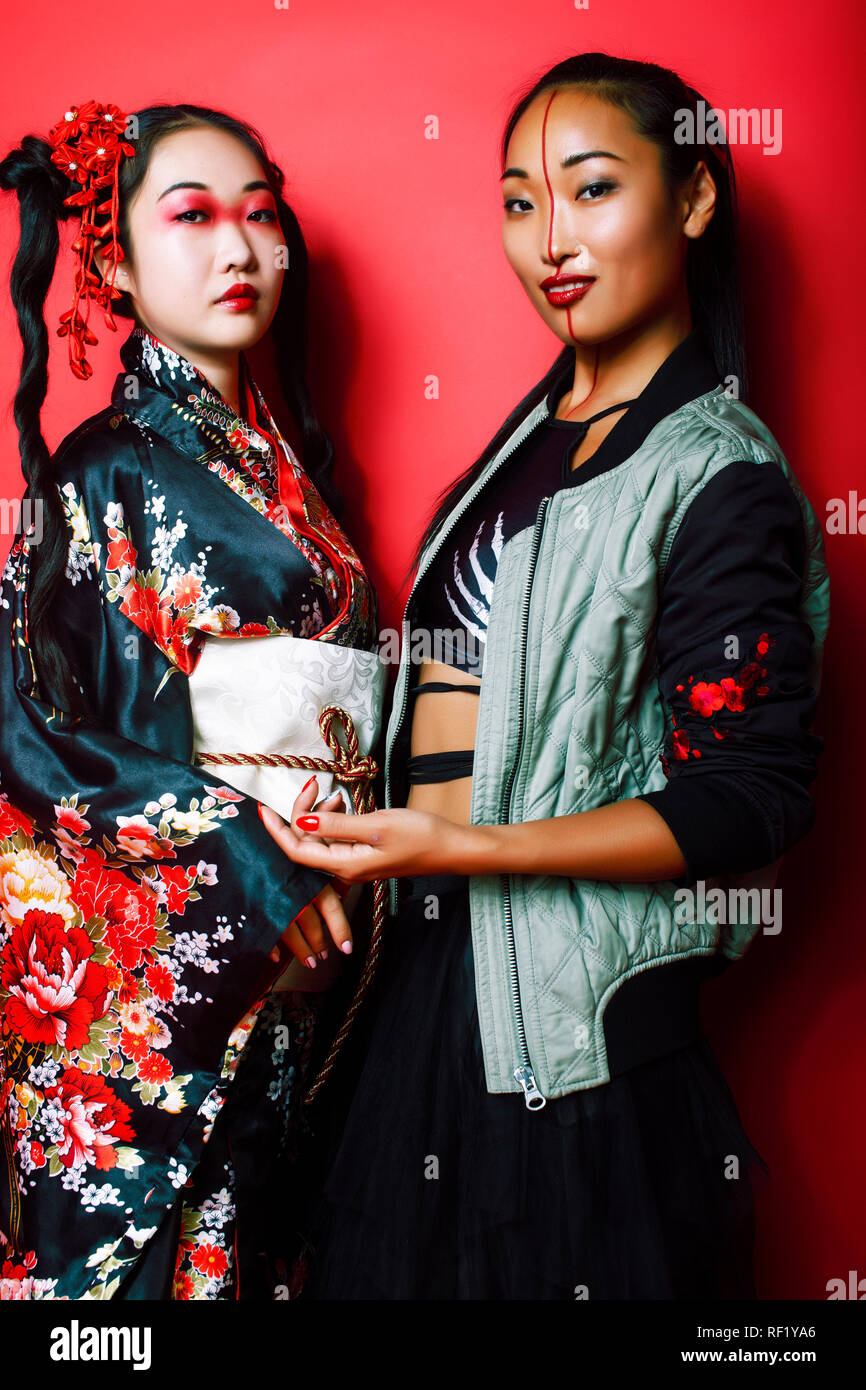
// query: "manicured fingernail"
[[307, 784], [307, 822], [311, 962], [259, 809], [323, 955], [347, 947]]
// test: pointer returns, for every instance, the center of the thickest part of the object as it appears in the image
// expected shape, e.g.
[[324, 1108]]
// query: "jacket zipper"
[[523, 1072]]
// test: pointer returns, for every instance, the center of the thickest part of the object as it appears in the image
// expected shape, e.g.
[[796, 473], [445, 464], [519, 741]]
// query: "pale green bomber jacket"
[[570, 717]]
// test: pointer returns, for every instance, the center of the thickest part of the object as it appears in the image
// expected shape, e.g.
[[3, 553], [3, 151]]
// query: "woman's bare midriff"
[[443, 721]]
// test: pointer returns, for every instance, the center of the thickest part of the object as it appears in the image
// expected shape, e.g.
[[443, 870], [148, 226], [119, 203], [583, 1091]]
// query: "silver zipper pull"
[[526, 1076]]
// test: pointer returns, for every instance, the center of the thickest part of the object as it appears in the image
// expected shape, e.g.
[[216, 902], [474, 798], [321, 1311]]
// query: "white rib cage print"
[[475, 619]]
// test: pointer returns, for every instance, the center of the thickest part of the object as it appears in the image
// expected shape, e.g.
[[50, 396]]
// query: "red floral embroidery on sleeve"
[[161, 608], [706, 698]]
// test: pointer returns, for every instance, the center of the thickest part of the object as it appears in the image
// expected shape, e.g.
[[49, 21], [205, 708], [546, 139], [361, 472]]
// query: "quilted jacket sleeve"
[[732, 660]]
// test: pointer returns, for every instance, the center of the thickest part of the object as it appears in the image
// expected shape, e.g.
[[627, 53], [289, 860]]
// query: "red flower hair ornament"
[[88, 145]]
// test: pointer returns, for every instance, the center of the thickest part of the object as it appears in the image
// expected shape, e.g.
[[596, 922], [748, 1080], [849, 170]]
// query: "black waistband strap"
[[444, 686], [440, 767]]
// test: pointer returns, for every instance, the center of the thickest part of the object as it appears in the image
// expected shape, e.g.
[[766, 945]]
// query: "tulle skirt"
[[640, 1188]]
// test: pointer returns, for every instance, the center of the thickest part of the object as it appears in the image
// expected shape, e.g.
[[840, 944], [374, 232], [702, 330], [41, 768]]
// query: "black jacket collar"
[[687, 372]]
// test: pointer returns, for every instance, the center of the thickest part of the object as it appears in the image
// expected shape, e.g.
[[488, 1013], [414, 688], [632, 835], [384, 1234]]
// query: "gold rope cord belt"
[[13, 1062], [358, 772]]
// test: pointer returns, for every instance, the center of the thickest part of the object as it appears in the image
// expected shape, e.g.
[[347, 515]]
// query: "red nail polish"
[[306, 784], [259, 809], [307, 822]]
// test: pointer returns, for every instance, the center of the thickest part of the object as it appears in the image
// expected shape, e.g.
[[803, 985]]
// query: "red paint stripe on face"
[[550, 199], [546, 176], [571, 331]]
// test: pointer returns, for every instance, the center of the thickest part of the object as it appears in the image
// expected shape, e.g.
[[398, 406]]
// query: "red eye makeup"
[[198, 208]]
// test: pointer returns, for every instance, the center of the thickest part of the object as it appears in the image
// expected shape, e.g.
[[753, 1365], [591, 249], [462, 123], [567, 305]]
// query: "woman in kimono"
[[612, 650], [180, 592]]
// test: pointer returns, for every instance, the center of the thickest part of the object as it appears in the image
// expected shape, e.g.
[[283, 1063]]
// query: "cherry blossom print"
[[162, 608], [707, 699]]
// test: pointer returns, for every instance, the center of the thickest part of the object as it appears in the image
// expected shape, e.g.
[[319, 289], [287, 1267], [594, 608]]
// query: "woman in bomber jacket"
[[539, 1115]]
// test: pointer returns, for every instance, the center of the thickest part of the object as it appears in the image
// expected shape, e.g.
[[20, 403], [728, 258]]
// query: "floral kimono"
[[140, 896]]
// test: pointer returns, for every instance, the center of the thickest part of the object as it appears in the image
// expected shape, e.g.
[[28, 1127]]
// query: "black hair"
[[41, 189], [655, 99]]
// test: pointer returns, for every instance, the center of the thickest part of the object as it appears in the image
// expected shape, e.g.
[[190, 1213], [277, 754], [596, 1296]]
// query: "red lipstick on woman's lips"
[[562, 290], [238, 297]]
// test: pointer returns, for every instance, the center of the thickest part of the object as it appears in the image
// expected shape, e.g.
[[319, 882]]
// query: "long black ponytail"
[[655, 99], [41, 188]]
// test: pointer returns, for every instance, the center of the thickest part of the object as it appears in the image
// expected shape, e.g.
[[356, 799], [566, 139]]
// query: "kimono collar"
[[164, 392], [178, 401]]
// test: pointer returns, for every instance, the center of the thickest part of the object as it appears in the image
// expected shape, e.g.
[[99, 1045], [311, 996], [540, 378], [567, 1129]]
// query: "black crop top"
[[458, 587]]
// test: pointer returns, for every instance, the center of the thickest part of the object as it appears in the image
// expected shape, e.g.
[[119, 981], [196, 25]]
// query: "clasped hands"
[[356, 849]]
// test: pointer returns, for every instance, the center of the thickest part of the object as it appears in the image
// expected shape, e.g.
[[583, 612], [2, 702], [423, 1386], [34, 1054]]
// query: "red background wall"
[[408, 278]]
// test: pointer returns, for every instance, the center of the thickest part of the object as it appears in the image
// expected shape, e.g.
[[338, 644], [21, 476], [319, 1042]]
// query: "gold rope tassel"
[[15, 1062], [358, 772]]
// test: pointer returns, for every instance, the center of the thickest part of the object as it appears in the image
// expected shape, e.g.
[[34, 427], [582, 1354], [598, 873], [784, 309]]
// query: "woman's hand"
[[625, 841], [305, 936], [383, 844], [305, 801]]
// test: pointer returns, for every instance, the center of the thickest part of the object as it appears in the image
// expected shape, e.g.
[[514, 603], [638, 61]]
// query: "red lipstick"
[[239, 297], [562, 290]]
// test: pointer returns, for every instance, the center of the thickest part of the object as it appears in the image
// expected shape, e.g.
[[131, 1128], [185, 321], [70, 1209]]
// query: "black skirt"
[[640, 1188]]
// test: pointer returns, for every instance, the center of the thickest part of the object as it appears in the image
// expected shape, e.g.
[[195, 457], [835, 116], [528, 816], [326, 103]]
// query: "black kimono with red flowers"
[[139, 897]]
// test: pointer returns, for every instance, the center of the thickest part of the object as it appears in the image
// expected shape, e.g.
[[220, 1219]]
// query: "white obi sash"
[[265, 695]]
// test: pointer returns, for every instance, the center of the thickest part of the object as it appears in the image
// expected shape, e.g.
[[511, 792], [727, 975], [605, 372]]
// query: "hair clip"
[[88, 146]]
